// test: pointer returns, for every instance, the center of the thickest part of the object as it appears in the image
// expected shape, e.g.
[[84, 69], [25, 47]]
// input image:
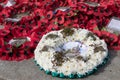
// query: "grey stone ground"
[[26, 70]]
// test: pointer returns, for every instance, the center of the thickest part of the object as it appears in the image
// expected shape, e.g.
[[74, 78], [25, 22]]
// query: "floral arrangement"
[[70, 52], [34, 18]]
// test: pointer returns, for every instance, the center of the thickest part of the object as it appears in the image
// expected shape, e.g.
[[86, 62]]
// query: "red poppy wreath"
[[15, 13], [111, 39], [17, 44], [81, 15]]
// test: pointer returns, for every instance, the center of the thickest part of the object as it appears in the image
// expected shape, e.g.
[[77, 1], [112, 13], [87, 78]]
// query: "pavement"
[[27, 70]]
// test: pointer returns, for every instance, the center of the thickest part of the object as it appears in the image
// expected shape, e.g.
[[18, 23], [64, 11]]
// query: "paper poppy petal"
[[50, 14]]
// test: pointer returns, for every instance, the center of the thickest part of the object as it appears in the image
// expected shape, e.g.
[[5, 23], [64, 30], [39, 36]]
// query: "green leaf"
[[54, 74], [42, 17], [75, 14], [104, 29], [68, 14], [47, 72], [71, 76], [62, 75], [5, 43], [56, 22], [76, 10], [117, 33], [96, 28]]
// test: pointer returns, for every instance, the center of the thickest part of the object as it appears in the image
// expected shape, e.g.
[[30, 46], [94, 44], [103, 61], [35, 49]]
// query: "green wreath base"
[[73, 76]]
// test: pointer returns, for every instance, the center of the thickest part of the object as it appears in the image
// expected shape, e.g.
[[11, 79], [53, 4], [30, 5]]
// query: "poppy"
[[75, 25], [59, 13], [105, 35], [29, 50], [90, 11], [4, 32], [16, 32], [50, 15], [60, 19], [4, 56], [98, 11], [20, 55], [113, 38], [98, 33], [71, 13], [61, 3], [52, 27], [1, 8], [91, 24], [22, 1], [82, 17], [82, 7], [10, 51], [5, 12], [67, 23], [107, 12], [104, 4], [74, 19], [4, 53], [115, 46], [3, 1], [72, 3], [1, 42]]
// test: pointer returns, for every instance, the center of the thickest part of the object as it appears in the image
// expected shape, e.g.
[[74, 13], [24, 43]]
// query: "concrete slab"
[[26, 70]]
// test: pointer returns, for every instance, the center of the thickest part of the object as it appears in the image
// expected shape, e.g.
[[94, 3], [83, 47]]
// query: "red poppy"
[[74, 19], [103, 4], [71, 13], [82, 17], [76, 25], [82, 7], [3, 1], [104, 35], [110, 38], [91, 24], [38, 12], [3, 55], [22, 1], [98, 33], [1, 42], [72, 3], [16, 32], [61, 3], [90, 10], [107, 12], [52, 27], [39, 29], [60, 19], [98, 11], [29, 49], [24, 51], [50, 14], [4, 32], [113, 38], [60, 12], [115, 46], [5, 12], [1, 8], [67, 23]]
